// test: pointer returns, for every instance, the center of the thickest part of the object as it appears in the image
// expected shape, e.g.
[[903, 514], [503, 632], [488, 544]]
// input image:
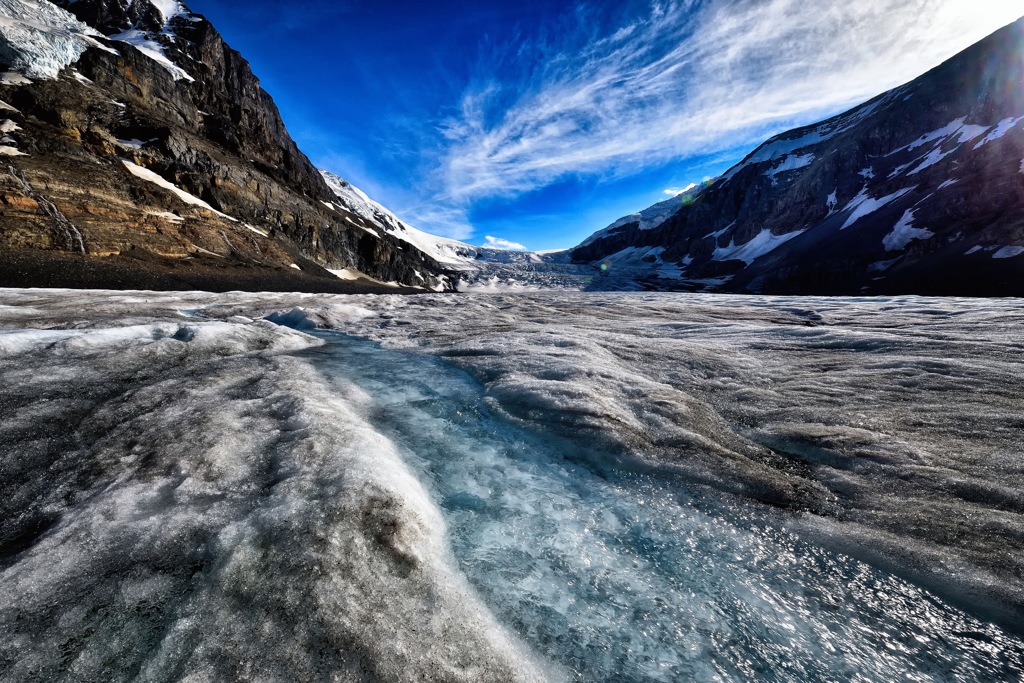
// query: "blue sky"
[[539, 122]]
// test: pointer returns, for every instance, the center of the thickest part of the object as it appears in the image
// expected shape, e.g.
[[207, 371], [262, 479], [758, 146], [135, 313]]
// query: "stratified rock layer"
[[245, 194]]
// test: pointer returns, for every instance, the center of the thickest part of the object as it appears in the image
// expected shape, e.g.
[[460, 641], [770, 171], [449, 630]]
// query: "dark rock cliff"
[[199, 120], [919, 190]]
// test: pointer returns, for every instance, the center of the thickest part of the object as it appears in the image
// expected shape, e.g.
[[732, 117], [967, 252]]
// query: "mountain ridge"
[[888, 197], [153, 139]]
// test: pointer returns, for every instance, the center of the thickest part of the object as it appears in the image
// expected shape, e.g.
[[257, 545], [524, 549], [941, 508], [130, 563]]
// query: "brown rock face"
[[242, 191]]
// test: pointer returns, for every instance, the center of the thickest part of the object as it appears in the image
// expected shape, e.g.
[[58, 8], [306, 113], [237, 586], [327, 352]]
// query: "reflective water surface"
[[629, 577]]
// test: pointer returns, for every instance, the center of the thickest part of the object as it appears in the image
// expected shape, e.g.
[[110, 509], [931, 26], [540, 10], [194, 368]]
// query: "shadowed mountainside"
[[919, 190]]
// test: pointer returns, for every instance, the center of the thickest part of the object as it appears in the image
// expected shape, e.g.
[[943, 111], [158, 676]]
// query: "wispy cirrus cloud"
[[686, 78], [499, 243], [443, 218]]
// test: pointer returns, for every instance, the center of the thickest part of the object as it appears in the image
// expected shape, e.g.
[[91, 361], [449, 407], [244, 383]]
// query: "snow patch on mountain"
[[150, 176], [832, 202], [652, 216], [147, 45], [761, 244], [169, 9], [792, 141], [153, 44], [1001, 129], [931, 136], [39, 39], [790, 162], [1008, 252], [446, 251], [863, 205], [904, 233]]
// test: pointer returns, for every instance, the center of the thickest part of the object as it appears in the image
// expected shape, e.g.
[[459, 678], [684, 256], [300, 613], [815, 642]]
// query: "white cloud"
[[680, 82], [673, 191], [499, 243], [441, 219]]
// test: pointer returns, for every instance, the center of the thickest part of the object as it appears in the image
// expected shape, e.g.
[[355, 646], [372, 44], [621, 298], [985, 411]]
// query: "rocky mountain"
[[920, 190], [139, 150]]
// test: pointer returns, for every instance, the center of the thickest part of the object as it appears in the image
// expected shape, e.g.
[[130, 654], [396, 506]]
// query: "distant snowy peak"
[[169, 9], [445, 251], [650, 217], [39, 39]]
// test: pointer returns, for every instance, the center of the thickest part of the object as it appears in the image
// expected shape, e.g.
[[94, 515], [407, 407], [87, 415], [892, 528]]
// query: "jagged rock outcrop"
[[920, 190], [158, 145]]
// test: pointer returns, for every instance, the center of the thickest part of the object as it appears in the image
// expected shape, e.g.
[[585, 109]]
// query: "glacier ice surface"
[[503, 487]]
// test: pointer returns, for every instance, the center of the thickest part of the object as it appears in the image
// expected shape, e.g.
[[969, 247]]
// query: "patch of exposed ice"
[[350, 493], [38, 39], [494, 285]]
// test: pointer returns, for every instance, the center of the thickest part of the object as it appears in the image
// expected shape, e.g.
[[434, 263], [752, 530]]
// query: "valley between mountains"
[[255, 426]]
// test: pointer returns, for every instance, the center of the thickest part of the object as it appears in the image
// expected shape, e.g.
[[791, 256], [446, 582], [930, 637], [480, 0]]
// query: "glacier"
[[530, 486]]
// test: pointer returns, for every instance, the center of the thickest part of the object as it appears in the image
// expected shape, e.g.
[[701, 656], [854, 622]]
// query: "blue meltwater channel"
[[632, 578]]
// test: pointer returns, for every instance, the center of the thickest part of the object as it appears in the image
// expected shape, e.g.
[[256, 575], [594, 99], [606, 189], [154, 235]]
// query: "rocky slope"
[[920, 190], [139, 149]]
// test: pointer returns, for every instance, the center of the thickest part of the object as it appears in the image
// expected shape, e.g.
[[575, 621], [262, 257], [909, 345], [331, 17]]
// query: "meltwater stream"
[[627, 577]]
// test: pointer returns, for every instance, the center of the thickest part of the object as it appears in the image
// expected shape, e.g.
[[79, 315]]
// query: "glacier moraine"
[[545, 486]]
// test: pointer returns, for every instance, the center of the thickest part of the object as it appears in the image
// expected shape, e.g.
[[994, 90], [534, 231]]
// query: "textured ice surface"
[[612, 487], [38, 39], [183, 502]]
